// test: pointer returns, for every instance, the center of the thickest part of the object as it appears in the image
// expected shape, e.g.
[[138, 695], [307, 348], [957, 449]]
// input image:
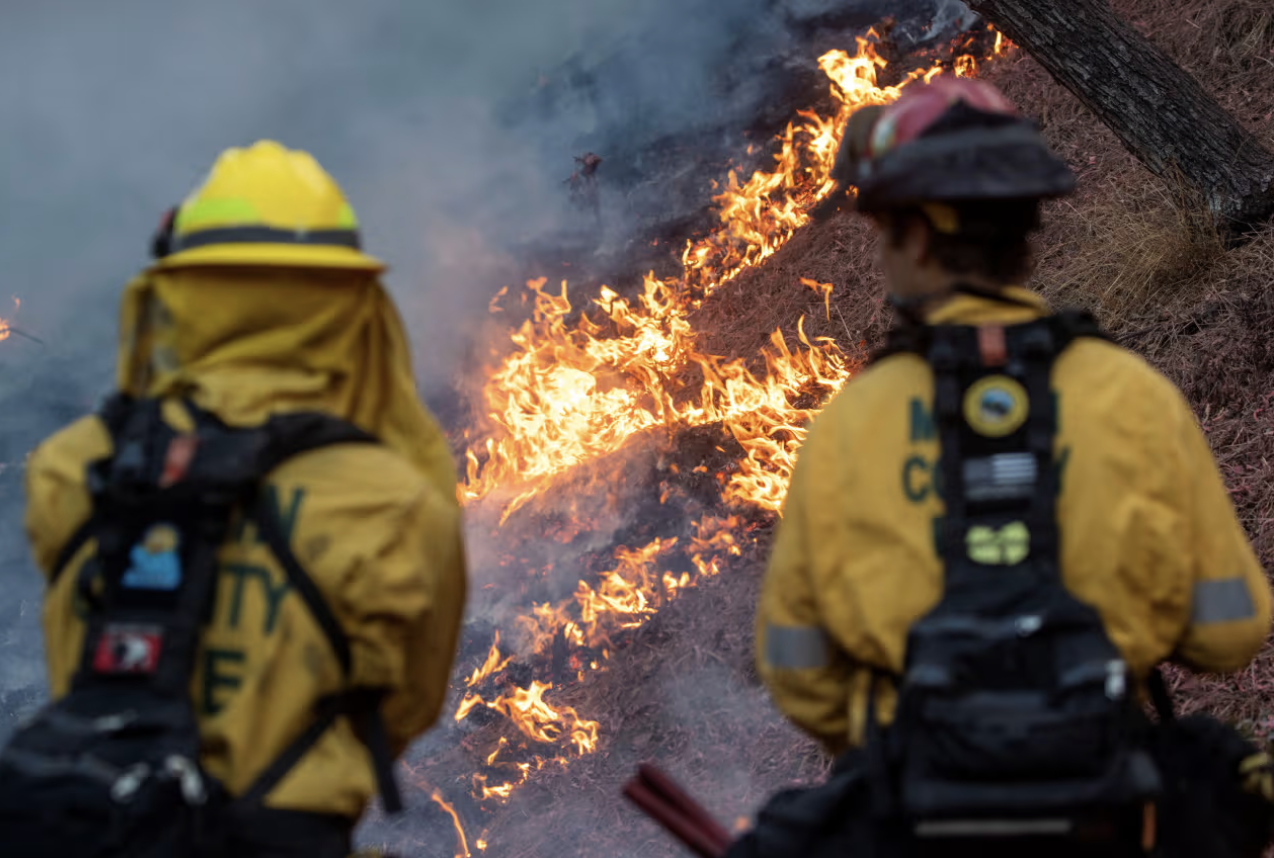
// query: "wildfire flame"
[[455, 819], [493, 664], [6, 327], [576, 386]]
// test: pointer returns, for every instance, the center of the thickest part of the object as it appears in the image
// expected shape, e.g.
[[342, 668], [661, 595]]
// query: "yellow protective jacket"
[[1149, 535], [377, 527]]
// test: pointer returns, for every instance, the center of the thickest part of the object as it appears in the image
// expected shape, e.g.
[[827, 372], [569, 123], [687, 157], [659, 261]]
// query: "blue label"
[[155, 564]]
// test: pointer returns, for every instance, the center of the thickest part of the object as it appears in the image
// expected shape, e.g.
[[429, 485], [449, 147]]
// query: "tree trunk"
[[1159, 111]]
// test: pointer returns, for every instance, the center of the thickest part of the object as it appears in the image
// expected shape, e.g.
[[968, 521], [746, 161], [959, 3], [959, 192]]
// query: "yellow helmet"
[[264, 205]]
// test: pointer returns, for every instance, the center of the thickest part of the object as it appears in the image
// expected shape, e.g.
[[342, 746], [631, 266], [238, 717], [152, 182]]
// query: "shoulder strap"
[[1071, 323], [292, 435], [906, 338], [70, 548], [1160, 696], [112, 413], [1067, 324]]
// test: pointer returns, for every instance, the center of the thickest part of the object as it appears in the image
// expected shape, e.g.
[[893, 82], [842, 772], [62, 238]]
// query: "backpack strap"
[[112, 413], [910, 338], [905, 338], [70, 548], [292, 435], [1160, 696]]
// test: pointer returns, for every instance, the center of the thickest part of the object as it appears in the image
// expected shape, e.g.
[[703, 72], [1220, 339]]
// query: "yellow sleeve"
[[404, 610], [807, 674], [1230, 599], [56, 501]]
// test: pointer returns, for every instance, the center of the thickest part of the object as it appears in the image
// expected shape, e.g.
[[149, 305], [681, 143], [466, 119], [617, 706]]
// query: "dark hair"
[[992, 240]]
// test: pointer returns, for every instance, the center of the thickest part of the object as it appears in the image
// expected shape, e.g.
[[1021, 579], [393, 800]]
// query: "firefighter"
[[260, 303], [1145, 534]]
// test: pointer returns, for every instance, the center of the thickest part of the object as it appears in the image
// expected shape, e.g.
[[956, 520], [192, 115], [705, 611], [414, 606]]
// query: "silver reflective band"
[[796, 647], [1222, 601]]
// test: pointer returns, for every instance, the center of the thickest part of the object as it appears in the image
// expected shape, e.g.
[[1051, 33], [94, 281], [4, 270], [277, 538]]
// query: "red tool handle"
[[662, 785], [677, 823], [669, 805]]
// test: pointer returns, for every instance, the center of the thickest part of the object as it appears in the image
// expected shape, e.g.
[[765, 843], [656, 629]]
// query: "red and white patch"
[[128, 649]]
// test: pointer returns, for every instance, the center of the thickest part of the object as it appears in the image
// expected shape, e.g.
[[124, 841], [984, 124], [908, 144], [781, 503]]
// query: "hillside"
[[681, 689]]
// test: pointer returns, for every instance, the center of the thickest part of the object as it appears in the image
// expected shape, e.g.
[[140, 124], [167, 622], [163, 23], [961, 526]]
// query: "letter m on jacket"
[[922, 428]]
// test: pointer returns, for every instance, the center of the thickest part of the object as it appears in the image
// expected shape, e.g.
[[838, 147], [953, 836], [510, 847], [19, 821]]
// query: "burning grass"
[[625, 663]]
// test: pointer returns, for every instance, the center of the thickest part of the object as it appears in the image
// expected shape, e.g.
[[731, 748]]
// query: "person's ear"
[[918, 236]]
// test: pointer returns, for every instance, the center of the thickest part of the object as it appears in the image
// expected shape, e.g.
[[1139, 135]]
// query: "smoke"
[[113, 111], [450, 124]]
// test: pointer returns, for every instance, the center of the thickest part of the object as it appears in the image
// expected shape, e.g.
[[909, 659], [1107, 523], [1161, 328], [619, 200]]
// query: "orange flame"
[[6, 327], [576, 386], [566, 394], [455, 820], [493, 664], [825, 288], [537, 720]]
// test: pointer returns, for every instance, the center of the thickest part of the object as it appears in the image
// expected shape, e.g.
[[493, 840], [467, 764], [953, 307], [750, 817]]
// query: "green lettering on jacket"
[[287, 517], [921, 421], [915, 478], [242, 572], [219, 674]]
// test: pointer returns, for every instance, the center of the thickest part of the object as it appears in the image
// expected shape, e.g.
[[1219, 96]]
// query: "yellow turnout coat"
[[377, 527], [1148, 533]]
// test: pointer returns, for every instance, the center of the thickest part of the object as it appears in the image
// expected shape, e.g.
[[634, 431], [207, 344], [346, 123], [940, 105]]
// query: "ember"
[[6, 327]]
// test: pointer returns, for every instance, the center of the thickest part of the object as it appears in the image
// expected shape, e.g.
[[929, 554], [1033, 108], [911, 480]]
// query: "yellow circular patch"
[[160, 539], [995, 406]]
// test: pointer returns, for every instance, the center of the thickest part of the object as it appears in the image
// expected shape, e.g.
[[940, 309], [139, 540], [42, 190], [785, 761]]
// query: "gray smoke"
[[112, 111]]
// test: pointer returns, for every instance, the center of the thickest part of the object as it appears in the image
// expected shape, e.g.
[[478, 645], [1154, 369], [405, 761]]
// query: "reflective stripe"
[[265, 235], [215, 212], [346, 219], [1222, 601], [796, 647]]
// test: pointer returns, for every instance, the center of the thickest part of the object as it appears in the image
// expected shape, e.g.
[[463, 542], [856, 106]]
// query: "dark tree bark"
[[1159, 111]]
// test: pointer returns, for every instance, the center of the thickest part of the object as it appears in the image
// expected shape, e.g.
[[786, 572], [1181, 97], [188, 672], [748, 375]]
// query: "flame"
[[577, 383], [575, 388], [493, 664], [538, 721], [825, 288], [455, 820], [502, 791], [6, 327]]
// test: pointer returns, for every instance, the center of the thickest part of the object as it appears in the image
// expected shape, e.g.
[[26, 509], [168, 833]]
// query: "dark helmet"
[[956, 141]]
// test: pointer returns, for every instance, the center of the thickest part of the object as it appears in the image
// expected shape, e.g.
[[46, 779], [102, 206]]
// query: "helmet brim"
[[281, 255], [1008, 162]]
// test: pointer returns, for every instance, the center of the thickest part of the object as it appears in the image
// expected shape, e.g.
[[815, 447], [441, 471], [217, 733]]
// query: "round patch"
[[160, 539], [995, 406]]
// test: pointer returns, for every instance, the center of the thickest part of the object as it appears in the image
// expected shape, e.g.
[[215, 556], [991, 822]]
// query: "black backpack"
[[1016, 721], [112, 768]]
